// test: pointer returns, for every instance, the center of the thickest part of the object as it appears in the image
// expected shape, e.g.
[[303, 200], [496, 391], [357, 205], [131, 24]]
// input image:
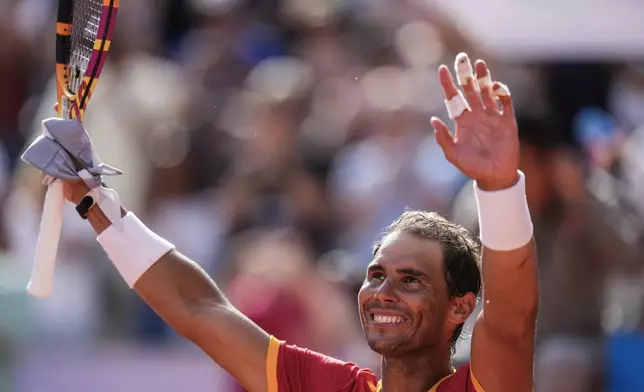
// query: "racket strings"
[[85, 23]]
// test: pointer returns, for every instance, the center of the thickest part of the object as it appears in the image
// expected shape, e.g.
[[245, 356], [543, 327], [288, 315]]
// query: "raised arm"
[[485, 146], [503, 338], [184, 296]]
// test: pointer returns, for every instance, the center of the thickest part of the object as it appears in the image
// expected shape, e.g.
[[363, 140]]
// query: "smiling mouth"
[[379, 319]]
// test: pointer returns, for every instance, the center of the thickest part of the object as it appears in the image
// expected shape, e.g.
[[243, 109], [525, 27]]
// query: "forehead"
[[402, 250]]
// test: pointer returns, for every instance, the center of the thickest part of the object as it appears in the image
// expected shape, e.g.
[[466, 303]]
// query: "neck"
[[415, 373]]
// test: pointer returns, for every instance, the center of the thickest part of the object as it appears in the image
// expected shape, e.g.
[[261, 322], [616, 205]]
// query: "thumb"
[[443, 137]]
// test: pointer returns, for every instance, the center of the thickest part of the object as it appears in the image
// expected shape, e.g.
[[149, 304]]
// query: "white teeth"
[[388, 319]]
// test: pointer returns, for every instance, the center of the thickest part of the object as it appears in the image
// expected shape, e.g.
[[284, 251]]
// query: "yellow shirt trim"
[[477, 385], [271, 364], [440, 381]]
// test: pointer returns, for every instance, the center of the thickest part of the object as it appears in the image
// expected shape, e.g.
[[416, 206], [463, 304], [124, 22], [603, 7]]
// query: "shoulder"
[[462, 380], [292, 368]]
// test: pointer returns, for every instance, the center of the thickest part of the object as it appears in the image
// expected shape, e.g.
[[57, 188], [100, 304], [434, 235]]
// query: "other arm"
[[187, 299], [485, 147], [503, 336]]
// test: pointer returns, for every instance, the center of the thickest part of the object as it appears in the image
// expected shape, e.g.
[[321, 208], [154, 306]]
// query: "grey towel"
[[64, 151], [65, 148]]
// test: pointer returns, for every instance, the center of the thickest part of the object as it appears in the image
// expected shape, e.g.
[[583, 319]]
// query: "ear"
[[462, 308]]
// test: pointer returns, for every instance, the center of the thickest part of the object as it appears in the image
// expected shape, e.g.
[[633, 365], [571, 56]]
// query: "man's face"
[[404, 300]]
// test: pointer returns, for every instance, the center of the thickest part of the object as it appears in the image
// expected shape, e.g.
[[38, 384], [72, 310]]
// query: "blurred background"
[[273, 140]]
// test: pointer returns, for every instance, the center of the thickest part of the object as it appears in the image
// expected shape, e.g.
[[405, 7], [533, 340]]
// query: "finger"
[[465, 73], [454, 99], [68, 191], [75, 190], [502, 91], [484, 79], [443, 137], [445, 77]]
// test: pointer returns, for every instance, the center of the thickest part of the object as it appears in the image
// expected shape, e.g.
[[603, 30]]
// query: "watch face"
[[84, 206]]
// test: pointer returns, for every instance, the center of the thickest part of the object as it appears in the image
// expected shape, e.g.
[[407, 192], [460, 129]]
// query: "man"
[[420, 287]]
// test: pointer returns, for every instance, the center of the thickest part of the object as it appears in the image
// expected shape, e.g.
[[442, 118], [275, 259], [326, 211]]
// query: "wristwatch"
[[84, 206]]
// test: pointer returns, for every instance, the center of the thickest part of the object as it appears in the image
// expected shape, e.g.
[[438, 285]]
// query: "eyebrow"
[[412, 272], [401, 271]]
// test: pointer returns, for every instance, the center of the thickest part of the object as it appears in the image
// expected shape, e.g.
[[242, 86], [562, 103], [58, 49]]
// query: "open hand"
[[485, 142]]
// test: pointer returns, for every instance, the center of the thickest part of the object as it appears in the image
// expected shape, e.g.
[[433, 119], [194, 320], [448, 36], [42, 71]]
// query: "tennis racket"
[[83, 38]]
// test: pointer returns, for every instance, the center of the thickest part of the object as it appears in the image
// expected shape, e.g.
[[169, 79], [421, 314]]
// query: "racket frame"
[[70, 105]]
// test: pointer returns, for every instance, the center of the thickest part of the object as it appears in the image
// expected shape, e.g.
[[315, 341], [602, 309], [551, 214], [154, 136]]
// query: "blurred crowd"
[[273, 140]]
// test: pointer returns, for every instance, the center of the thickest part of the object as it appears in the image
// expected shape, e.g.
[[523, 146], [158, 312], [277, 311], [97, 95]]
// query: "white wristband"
[[134, 248], [504, 217]]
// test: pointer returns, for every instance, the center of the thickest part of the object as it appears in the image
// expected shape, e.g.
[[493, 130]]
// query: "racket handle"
[[42, 276]]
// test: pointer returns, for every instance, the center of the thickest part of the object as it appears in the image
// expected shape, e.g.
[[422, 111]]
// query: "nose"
[[386, 292]]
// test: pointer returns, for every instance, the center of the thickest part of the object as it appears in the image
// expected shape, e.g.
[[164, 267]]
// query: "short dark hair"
[[461, 251]]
